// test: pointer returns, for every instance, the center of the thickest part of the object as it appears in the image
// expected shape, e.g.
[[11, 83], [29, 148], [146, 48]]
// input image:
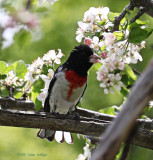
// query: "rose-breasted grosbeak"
[[67, 87]]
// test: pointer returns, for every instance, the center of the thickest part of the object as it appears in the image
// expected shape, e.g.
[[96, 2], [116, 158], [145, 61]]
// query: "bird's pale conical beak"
[[94, 58]]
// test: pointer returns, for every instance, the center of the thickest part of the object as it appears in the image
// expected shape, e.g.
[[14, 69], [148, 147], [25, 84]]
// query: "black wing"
[[46, 104], [81, 95]]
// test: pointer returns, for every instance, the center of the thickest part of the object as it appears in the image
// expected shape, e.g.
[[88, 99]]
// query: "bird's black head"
[[81, 59]]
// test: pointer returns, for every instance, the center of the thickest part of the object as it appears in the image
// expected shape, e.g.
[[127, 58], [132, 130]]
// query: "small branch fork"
[[144, 6], [121, 16]]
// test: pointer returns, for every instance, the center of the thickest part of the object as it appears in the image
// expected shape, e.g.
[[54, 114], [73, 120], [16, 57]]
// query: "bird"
[[67, 87]]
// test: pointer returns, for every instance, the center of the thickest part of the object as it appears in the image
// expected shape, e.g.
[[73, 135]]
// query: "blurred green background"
[[59, 24]]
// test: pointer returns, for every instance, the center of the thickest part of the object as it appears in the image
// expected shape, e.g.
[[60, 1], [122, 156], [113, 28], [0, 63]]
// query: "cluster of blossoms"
[[114, 48], [12, 23], [12, 80], [36, 70]]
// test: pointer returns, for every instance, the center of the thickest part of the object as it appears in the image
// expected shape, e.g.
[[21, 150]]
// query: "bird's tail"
[[58, 135]]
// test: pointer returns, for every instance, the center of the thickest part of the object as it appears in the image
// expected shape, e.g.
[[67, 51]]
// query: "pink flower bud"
[[104, 55], [87, 41]]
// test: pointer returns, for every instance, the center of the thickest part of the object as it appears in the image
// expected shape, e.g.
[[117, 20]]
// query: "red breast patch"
[[75, 81]]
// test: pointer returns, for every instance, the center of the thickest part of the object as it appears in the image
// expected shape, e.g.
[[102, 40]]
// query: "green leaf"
[[3, 76], [20, 68], [111, 16], [129, 72], [38, 85], [124, 91], [96, 66], [22, 38], [38, 105], [19, 87], [18, 94], [45, 69], [137, 24], [98, 34], [137, 35], [34, 1], [101, 23], [2, 67], [110, 110], [125, 79], [42, 10], [8, 69], [103, 48], [144, 117], [118, 35], [4, 92], [138, 31]]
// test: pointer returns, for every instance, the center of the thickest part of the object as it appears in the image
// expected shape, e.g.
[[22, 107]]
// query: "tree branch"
[[123, 124], [22, 105], [28, 5], [147, 4], [86, 126], [121, 16]]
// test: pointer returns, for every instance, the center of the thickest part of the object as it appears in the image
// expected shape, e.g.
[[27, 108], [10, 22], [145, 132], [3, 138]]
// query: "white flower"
[[86, 155], [118, 86], [95, 43], [108, 38], [103, 85], [29, 77], [46, 79], [12, 79], [5, 19], [50, 73], [42, 96], [89, 15], [79, 34], [100, 75], [118, 77], [51, 56], [84, 26], [151, 103], [106, 91]]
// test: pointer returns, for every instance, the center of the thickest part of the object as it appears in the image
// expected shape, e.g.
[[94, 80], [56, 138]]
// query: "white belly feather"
[[58, 100]]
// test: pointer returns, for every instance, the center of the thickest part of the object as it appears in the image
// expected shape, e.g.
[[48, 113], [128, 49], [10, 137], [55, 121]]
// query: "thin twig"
[[136, 71], [139, 14], [28, 5], [121, 16]]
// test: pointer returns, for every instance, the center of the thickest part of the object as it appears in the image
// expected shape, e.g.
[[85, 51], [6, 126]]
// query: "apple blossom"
[[95, 31], [108, 38]]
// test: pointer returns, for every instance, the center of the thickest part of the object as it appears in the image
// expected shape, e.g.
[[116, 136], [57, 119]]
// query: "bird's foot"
[[77, 117]]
